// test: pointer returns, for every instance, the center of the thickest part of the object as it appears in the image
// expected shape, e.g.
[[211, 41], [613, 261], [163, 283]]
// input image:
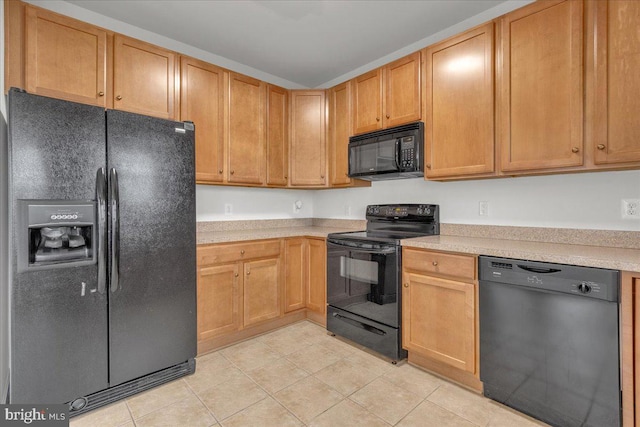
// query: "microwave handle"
[[397, 153]]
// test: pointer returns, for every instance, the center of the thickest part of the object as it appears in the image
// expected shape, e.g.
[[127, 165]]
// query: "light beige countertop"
[[223, 236], [590, 256], [619, 250]]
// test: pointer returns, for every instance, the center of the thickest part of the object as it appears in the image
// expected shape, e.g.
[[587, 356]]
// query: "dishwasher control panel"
[[581, 281]]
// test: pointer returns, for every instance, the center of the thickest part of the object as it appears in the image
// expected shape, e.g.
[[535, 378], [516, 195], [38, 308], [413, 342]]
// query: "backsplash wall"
[[583, 200]]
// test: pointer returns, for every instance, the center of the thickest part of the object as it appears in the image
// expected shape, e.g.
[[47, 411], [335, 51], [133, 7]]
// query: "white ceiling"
[[305, 42]]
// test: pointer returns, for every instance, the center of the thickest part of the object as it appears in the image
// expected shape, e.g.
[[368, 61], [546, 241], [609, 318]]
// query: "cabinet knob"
[[118, 97], [286, 177], [600, 146], [231, 172], [435, 263], [101, 93], [406, 285], [248, 272], [428, 165], [219, 170], [388, 116], [575, 149], [322, 176], [377, 119], [242, 252], [236, 275]]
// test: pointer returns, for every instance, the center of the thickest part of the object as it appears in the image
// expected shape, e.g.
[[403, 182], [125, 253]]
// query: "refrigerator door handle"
[[114, 278], [101, 192]]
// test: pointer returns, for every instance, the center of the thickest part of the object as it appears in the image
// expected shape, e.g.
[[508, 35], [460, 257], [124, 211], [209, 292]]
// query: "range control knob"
[[584, 288]]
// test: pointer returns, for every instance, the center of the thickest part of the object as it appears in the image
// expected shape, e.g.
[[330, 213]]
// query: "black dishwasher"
[[549, 340]]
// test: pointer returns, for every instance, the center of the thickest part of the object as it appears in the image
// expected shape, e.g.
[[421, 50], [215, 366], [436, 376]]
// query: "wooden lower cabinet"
[[261, 291], [251, 287], [218, 300], [306, 277], [440, 313], [630, 347], [317, 281]]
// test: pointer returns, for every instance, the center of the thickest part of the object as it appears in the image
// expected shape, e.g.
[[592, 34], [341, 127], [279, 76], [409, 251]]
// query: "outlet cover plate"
[[631, 208]]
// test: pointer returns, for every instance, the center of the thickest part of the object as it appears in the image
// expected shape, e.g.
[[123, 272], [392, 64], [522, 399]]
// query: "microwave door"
[[375, 157]]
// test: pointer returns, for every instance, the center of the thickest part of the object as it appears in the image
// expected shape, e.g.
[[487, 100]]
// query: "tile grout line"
[[203, 404]]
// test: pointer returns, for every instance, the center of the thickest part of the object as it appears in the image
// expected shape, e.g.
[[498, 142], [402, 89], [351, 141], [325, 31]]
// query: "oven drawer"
[[460, 266], [221, 253], [376, 336]]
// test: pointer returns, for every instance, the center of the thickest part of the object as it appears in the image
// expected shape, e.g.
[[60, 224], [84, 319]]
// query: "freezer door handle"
[[101, 193], [114, 278]]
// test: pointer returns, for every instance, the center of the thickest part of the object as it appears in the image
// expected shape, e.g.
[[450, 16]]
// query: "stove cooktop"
[[378, 236]]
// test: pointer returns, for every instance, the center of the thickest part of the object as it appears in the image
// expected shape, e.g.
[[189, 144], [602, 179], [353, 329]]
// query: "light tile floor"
[[300, 376]]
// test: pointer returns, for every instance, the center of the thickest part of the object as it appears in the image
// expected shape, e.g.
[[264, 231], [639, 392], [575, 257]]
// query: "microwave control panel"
[[407, 152]]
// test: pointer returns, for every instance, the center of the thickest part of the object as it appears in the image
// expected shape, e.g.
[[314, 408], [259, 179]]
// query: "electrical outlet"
[[228, 209], [631, 208], [483, 208]]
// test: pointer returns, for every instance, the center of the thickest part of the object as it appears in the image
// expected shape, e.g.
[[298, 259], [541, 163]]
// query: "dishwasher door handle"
[[541, 270]]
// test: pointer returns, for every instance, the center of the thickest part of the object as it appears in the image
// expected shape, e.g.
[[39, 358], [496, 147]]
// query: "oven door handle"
[[359, 324], [356, 248]]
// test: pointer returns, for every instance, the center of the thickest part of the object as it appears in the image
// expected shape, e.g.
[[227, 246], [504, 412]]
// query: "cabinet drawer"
[[216, 254], [461, 266]]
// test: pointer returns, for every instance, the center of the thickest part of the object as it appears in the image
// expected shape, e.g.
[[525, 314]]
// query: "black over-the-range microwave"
[[388, 154]]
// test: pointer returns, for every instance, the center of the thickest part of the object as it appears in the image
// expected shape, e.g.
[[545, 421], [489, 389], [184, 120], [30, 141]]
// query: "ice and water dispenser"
[[56, 233]]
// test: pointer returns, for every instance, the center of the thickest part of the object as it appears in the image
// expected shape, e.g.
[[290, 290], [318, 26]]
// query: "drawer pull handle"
[[435, 263]]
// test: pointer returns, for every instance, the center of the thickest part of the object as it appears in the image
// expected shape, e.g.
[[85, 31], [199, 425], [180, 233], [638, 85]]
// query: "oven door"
[[364, 281]]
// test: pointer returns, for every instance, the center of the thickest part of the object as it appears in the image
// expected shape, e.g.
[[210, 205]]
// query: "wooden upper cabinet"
[[65, 58], [339, 133], [387, 96], [277, 136], [367, 102], [308, 146], [246, 130], [402, 99], [143, 78], [459, 116], [202, 102], [616, 86], [541, 84]]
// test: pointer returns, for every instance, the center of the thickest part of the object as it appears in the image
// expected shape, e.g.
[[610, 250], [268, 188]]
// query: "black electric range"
[[364, 271]]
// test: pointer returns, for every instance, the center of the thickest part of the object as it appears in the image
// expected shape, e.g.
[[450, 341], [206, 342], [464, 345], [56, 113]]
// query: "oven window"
[[357, 269]]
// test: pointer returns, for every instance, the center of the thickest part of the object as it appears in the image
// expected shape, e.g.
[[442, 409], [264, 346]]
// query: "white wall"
[[251, 203], [586, 200]]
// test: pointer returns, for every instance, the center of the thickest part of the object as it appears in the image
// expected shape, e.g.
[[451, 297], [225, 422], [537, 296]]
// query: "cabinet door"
[[317, 276], [143, 78], [439, 320], [295, 266], [65, 58], [202, 93], [615, 99], [402, 101], [367, 102], [218, 300], [261, 290], [277, 136], [339, 133], [308, 145], [541, 85], [246, 147], [459, 74]]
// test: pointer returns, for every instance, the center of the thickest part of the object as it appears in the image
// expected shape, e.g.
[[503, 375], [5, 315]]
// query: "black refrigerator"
[[102, 280]]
